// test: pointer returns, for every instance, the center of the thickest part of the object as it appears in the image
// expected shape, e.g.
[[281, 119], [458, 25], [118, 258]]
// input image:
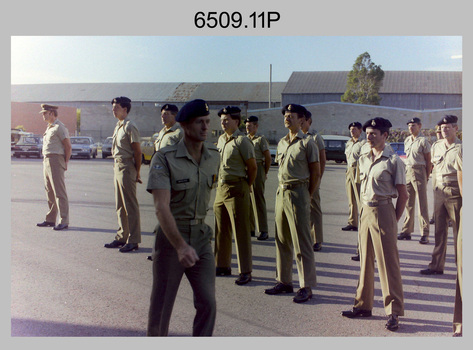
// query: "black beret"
[[355, 124], [193, 109], [294, 108], [120, 100], [377, 123], [414, 120], [171, 108], [448, 119], [251, 118], [229, 110], [308, 115]]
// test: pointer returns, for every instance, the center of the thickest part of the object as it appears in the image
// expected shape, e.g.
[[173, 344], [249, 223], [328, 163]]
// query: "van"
[[335, 147]]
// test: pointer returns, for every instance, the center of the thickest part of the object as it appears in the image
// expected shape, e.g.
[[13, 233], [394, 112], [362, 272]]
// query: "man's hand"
[[187, 256], [138, 178]]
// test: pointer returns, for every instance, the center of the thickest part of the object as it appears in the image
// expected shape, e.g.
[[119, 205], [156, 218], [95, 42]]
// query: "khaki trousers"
[[447, 206], [126, 203], [258, 190], [457, 313], [316, 224], [293, 240], [353, 191], [378, 239], [54, 166], [232, 213], [416, 188], [167, 276]]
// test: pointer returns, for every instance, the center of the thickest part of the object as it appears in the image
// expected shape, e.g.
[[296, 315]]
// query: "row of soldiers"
[[184, 170]]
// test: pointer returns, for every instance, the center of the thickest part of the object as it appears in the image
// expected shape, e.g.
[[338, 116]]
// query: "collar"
[[300, 135], [182, 152]]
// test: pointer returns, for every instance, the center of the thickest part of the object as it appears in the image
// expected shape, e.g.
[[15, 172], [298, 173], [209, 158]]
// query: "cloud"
[[456, 57]]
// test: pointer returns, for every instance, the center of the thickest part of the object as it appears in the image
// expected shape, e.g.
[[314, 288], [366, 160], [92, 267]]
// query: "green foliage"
[[363, 82]]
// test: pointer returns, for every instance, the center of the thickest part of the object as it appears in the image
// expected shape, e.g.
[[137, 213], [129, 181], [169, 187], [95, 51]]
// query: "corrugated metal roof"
[[424, 82], [251, 92]]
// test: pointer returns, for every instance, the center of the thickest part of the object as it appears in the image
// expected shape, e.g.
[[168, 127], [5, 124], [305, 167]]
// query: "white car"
[[83, 146]]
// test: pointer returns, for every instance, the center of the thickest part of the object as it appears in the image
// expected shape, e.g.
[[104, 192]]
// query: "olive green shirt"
[[168, 137], [174, 169], [261, 146], [53, 137], [379, 177], [443, 159], [235, 151], [124, 135], [415, 149], [353, 151], [294, 158], [319, 140]]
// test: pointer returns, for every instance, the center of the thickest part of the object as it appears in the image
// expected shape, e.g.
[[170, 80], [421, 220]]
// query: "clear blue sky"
[[84, 59]]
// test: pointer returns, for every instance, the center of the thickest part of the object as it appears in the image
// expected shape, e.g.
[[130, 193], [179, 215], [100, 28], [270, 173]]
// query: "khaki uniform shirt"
[[319, 140], [353, 151], [53, 136], [261, 145], [168, 137], [235, 150], [443, 159], [124, 135], [379, 177], [294, 157], [415, 149], [190, 183]]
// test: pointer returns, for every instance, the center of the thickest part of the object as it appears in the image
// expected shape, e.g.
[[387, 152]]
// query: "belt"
[[222, 181], [378, 202], [121, 160], [190, 222], [291, 186]]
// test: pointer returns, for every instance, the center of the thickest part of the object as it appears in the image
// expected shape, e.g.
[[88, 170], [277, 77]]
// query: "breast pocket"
[[179, 189]]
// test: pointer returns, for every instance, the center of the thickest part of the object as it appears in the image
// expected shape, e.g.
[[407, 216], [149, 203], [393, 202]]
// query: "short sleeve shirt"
[[190, 183], [261, 146], [353, 151], [319, 140], [53, 137], [443, 159], [294, 158], [168, 137], [379, 177], [415, 149], [235, 151], [124, 135]]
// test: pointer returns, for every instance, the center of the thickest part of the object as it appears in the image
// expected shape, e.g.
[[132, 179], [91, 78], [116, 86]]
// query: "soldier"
[[353, 152], [438, 134], [126, 152], [457, 313], [57, 151], [447, 198], [316, 222], [418, 168], [232, 200], [183, 240], [171, 132], [299, 176], [263, 162], [383, 177]]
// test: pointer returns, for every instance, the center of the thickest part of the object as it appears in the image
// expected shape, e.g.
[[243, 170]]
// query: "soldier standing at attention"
[[418, 168], [232, 201], [316, 221], [263, 161], [299, 176], [438, 134], [57, 152], [383, 177], [181, 178], [126, 152], [447, 197], [171, 132]]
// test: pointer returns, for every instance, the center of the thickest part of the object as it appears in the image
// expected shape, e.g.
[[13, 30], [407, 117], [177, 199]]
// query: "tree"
[[363, 82]]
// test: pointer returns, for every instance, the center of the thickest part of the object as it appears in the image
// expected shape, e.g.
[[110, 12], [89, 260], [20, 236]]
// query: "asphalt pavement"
[[66, 284]]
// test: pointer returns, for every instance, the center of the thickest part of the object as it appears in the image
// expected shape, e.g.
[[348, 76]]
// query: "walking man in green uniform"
[[458, 313], [126, 152], [383, 177], [299, 176], [418, 168], [171, 132], [57, 152], [263, 161], [447, 198], [232, 201], [181, 178], [316, 217]]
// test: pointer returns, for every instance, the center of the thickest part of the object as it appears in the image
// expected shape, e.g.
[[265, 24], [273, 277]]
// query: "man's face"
[[292, 121], [48, 117], [355, 132], [449, 131], [197, 129], [228, 124], [251, 128], [375, 138], [305, 125], [168, 118], [414, 128], [119, 112]]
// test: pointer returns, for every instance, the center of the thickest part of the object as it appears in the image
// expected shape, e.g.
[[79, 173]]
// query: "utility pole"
[[270, 83]]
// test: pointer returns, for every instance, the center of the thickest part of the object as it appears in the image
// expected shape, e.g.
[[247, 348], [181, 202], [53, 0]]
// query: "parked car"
[[335, 147], [83, 146], [107, 147], [273, 151], [28, 146], [398, 147]]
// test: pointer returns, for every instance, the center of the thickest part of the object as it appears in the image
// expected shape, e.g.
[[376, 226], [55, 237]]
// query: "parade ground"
[[66, 284]]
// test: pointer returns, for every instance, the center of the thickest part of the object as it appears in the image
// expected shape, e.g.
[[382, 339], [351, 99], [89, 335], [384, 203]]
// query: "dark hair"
[[124, 102]]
